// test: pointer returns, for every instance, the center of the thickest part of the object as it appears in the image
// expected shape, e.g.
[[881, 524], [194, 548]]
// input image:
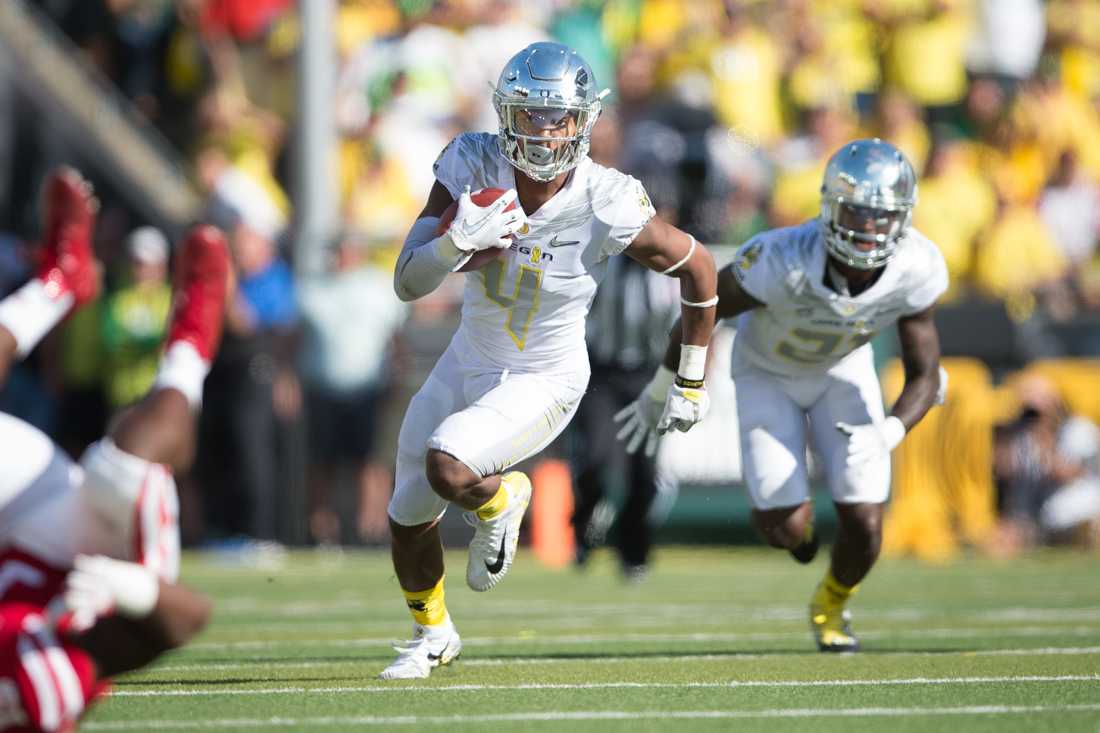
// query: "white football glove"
[[639, 419], [662, 406], [872, 441], [98, 586], [476, 228], [684, 406]]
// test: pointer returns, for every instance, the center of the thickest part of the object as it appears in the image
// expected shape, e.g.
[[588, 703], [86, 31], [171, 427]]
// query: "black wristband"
[[689, 383]]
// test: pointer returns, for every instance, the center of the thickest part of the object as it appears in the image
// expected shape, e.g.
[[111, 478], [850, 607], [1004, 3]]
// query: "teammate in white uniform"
[[89, 552], [808, 299], [517, 367]]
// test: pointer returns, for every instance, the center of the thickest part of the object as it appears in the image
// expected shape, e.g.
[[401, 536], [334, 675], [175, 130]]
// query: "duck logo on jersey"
[[748, 257]]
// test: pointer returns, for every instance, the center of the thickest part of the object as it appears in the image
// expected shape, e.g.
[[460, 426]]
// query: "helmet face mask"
[[547, 104], [867, 199]]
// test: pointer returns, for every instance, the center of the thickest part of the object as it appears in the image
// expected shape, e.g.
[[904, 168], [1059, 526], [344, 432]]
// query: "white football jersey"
[[806, 326], [526, 310]]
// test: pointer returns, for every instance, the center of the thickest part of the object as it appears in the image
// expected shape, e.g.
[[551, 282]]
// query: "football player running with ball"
[[517, 367], [808, 299]]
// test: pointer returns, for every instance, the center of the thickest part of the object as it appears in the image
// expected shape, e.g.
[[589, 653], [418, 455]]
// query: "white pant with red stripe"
[[112, 503], [45, 682]]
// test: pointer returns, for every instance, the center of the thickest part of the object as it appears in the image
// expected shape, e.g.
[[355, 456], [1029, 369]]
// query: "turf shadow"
[[226, 681], [647, 654]]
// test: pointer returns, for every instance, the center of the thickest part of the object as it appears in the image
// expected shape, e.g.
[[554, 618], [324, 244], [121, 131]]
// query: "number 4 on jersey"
[[520, 305]]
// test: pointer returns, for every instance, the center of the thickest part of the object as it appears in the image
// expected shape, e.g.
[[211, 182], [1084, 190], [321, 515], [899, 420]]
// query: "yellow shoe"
[[831, 624]]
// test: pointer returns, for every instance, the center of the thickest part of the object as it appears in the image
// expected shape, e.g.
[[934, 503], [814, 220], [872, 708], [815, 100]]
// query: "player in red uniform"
[[89, 552]]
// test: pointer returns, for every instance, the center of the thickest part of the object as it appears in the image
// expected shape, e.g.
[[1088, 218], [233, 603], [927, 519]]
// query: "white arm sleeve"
[[425, 260]]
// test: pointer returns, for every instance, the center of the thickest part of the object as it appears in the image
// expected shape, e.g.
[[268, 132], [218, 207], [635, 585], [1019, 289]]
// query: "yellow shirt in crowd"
[[926, 51], [1017, 254], [745, 75], [1079, 22], [845, 63], [953, 208]]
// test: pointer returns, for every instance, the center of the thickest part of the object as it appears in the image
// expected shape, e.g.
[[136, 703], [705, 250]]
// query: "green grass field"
[[713, 640]]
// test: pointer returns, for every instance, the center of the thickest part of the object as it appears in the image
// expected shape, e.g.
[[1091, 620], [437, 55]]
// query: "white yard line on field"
[[506, 662], [584, 621], [555, 640], [249, 607], [732, 684], [311, 723]]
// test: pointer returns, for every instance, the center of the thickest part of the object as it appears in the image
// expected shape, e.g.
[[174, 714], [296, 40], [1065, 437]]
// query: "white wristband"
[[693, 362], [140, 596], [941, 393]]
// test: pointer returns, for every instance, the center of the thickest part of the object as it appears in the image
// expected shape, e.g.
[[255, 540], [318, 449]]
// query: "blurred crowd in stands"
[[726, 110]]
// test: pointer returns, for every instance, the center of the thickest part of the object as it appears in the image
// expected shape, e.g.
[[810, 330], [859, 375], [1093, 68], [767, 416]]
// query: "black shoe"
[[806, 551], [580, 559], [635, 574]]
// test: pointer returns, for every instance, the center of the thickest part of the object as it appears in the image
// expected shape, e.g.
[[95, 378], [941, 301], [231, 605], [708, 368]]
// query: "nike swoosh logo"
[[497, 566], [569, 242], [471, 225], [437, 657]]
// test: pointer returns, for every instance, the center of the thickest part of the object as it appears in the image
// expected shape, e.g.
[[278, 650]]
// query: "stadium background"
[[726, 111]]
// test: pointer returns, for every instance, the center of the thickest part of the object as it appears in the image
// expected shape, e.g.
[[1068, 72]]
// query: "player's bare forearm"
[[698, 282], [180, 613], [8, 349], [732, 301], [664, 248], [672, 351], [694, 326], [920, 356], [120, 644]]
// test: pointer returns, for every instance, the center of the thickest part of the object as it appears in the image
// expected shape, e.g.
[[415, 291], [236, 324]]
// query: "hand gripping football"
[[484, 197]]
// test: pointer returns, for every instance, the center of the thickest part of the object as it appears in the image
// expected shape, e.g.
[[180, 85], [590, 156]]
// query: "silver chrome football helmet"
[[539, 90], [867, 199]]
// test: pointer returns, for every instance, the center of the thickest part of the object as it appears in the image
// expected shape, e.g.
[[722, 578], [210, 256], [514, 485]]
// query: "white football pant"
[[487, 418], [774, 412]]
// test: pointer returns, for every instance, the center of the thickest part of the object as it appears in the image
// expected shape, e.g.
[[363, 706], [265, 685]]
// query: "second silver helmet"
[[867, 199], [543, 91]]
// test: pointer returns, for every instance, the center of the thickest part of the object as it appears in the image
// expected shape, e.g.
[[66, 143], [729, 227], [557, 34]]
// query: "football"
[[483, 197]]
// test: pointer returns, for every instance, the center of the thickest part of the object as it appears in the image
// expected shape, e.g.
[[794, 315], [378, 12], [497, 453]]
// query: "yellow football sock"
[[492, 508], [427, 606], [831, 593]]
